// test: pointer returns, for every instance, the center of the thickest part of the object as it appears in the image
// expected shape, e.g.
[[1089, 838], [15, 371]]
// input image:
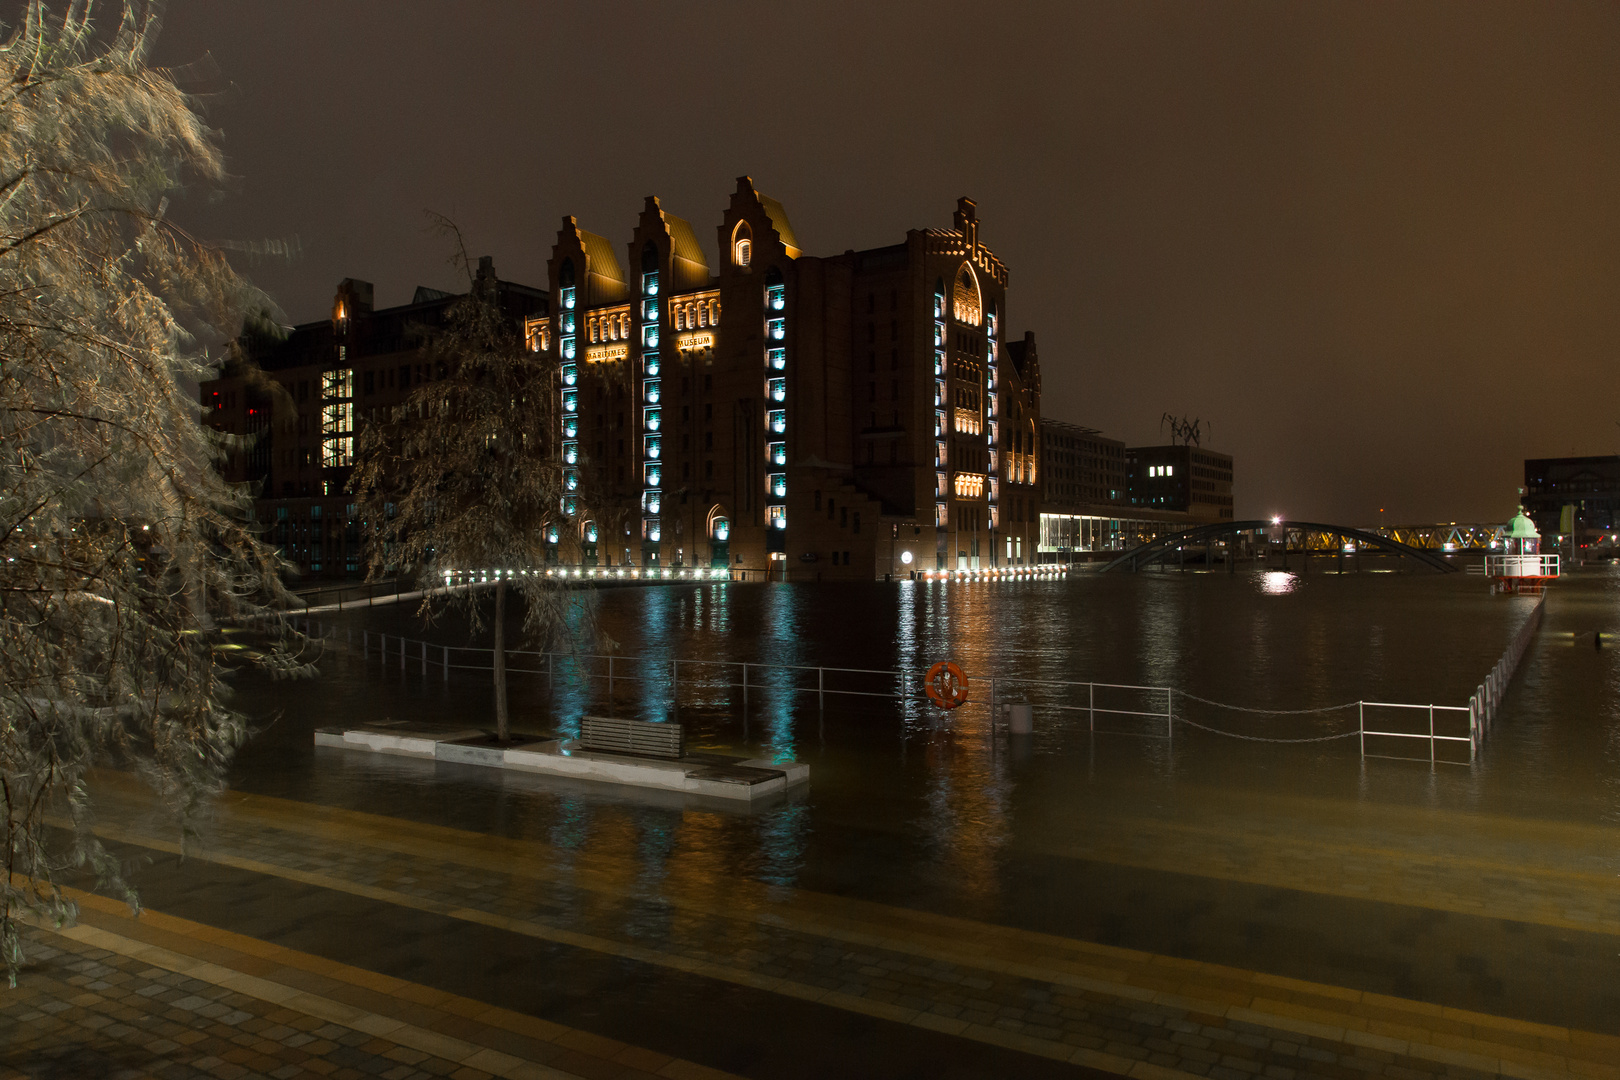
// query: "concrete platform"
[[713, 775]]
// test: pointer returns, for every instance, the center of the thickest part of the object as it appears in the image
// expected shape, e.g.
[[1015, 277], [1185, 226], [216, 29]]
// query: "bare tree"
[[120, 546], [466, 477]]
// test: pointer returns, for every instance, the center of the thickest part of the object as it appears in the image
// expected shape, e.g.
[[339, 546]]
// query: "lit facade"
[[790, 416]]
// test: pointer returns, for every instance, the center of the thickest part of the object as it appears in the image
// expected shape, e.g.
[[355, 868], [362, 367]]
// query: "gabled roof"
[[690, 265], [779, 220]]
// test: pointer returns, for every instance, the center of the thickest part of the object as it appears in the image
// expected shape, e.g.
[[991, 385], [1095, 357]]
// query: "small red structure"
[[1521, 568]]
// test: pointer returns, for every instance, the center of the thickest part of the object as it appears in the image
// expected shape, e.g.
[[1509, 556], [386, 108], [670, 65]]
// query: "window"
[[744, 252]]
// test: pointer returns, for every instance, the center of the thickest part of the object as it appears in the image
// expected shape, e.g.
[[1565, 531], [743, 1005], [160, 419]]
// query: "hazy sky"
[[1374, 245]]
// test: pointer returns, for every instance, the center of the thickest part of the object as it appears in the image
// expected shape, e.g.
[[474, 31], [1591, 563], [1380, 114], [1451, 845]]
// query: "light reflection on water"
[[906, 802]]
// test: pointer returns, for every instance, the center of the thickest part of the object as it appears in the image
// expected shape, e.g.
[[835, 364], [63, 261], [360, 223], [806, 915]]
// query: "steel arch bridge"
[[1291, 531]]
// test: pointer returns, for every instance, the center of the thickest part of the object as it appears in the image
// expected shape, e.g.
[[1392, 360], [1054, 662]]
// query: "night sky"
[[1373, 245]]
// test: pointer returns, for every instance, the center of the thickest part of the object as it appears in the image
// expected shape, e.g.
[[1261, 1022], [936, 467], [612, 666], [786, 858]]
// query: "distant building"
[[334, 373], [785, 414], [1185, 479], [1588, 486], [1085, 497], [1083, 468]]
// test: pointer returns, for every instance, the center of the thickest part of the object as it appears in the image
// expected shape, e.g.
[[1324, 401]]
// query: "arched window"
[[966, 303], [742, 246]]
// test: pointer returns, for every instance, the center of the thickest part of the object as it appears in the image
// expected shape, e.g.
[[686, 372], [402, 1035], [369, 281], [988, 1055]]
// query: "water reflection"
[[908, 800], [1278, 582]]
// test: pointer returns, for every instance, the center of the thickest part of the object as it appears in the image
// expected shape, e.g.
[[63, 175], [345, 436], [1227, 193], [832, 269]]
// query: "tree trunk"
[[501, 731]]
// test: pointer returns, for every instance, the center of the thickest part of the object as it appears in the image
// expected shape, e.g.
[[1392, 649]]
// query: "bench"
[[631, 737]]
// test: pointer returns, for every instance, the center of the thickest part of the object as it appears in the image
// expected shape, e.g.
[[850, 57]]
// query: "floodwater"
[[1299, 858]]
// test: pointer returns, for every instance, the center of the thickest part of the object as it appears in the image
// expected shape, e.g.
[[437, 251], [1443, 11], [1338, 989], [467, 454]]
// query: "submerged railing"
[[1436, 725]]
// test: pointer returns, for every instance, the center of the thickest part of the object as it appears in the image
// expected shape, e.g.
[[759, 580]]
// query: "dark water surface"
[[1183, 845]]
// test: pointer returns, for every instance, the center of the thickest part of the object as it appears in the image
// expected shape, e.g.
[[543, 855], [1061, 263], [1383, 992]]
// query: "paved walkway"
[[1040, 996], [159, 996]]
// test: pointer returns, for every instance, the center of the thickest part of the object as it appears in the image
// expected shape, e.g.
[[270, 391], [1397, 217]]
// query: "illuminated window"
[[776, 453], [651, 445], [652, 391], [570, 374], [568, 298], [776, 329], [777, 485], [570, 453], [776, 420], [776, 297], [778, 516], [776, 359], [777, 389], [653, 419], [744, 252], [337, 418]]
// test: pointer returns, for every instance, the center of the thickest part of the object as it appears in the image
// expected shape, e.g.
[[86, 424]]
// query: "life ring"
[[946, 685]]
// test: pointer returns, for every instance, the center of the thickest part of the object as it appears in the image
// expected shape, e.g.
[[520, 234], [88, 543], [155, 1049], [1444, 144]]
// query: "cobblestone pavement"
[[96, 1003], [1107, 1008]]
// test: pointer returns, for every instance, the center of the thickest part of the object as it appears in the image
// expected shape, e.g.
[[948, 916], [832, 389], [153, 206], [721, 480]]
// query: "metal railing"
[[1482, 705], [1436, 723], [1516, 566], [1433, 737]]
